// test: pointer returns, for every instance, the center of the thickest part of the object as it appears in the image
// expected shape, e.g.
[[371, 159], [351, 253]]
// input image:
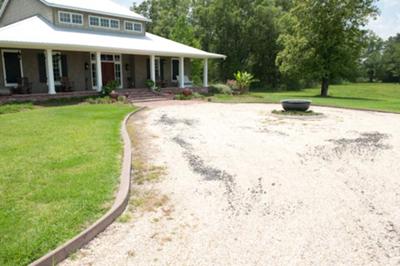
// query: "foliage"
[[243, 81], [183, 97], [245, 31], [110, 87], [372, 57], [62, 177], [220, 89], [15, 107], [150, 84], [391, 60], [368, 96], [323, 39]]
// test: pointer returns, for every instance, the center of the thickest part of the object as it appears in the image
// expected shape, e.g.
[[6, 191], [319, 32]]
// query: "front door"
[[108, 72]]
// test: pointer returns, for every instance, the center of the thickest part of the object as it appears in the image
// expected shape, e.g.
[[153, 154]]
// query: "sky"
[[386, 25]]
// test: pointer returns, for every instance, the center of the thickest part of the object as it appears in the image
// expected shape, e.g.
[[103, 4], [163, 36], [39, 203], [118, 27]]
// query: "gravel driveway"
[[241, 186]]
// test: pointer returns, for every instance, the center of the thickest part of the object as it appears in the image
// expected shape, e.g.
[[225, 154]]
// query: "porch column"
[[153, 68], [181, 72], [99, 74], [205, 73], [50, 71]]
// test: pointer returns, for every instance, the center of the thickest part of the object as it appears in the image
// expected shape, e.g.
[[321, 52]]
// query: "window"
[[137, 27], [70, 18], [132, 26], [105, 22], [94, 21], [77, 19], [102, 22], [114, 24], [118, 73], [12, 67], [57, 67]]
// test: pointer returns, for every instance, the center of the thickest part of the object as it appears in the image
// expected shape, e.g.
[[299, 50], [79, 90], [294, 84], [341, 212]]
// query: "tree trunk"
[[324, 87]]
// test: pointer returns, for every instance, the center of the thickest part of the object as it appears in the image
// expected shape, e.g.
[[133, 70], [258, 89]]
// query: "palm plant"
[[243, 81]]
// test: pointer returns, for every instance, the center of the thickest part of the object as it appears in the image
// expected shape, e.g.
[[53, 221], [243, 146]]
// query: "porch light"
[[127, 67], [86, 65]]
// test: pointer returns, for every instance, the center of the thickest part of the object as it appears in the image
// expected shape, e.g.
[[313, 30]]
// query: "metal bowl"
[[296, 105]]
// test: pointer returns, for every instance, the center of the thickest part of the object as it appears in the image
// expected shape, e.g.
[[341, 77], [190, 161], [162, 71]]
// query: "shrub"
[[220, 89], [243, 81], [100, 100], [122, 99], [150, 84], [111, 86]]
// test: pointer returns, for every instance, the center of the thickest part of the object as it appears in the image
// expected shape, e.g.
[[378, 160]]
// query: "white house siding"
[[21, 9]]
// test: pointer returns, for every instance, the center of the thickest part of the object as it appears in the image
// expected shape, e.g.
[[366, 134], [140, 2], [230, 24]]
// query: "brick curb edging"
[[121, 201]]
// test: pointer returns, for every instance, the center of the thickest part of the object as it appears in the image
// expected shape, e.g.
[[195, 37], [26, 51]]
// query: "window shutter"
[[64, 65], [162, 62], [42, 68], [148, 68]]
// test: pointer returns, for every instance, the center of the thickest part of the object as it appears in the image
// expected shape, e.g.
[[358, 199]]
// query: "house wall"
[[140, 70], [76, 70], [17, 10], [30, 66]]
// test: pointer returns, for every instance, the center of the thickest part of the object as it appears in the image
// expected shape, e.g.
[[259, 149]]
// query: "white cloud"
[[388, 22]]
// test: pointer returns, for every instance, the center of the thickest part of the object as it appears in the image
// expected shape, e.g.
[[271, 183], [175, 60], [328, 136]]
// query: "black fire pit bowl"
[[296, 105]]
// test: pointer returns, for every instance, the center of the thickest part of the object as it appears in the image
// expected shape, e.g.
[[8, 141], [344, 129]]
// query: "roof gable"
[[104, 7]]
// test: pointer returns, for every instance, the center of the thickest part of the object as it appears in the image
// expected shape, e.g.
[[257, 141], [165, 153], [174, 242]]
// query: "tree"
[[372, 56], [391, 59], [322, 39]]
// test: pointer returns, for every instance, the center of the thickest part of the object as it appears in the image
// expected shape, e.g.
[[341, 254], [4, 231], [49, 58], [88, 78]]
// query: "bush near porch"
[[59, 168]]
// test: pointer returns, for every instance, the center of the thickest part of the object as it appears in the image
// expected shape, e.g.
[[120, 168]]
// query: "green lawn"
[[59, 169], [377, 96]]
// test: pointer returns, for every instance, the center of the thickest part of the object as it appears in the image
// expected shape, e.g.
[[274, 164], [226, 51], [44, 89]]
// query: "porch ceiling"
[[38, 33]]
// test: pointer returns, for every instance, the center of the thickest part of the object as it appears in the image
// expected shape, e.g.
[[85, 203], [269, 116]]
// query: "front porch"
[[34, 73]]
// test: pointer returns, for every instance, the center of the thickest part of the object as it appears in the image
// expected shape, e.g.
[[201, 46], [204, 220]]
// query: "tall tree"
[[323, 38], [391, 59], [372, 56]]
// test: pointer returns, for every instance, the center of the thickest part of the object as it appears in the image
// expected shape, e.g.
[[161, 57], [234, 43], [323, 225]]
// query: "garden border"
[[121, 201]]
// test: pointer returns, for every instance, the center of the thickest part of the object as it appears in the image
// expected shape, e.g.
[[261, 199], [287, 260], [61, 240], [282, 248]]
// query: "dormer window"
[[70, 18], [133, 26], [102, 22]]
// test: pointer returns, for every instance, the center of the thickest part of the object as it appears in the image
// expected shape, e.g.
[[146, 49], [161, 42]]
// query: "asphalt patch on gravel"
[[238, 202], [166, 120], [366, 145]]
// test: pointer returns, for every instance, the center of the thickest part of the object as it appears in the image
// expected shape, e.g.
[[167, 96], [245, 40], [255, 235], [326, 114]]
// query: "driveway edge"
[[121, 201]]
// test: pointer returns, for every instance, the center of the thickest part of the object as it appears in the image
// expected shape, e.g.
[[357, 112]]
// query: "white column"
[[181, 72], [99, 74], [153, 68], [205, 73], [50, 71]]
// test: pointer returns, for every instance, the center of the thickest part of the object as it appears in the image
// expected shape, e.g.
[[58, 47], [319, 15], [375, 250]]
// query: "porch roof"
[[37, 33]]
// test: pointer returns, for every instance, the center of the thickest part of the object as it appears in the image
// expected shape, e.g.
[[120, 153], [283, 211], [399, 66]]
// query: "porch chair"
[[23, 86], [186, 82], [66, 85]]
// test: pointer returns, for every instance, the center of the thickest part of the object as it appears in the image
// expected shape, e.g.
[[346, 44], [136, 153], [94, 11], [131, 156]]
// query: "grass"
[[15, 108], [375, 96], [59, 168]]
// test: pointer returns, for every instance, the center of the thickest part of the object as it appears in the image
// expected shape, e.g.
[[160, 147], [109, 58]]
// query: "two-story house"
[[87, 43]]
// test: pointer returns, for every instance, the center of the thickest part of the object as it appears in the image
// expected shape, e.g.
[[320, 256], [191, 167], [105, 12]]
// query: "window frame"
[[6, 84], [133, 26], [70, 18]]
